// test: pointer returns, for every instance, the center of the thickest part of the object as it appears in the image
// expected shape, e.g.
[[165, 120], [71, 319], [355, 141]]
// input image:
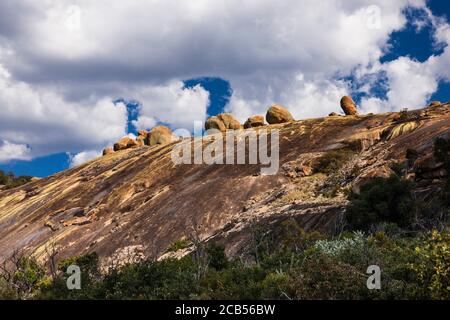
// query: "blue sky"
[[416, 44]]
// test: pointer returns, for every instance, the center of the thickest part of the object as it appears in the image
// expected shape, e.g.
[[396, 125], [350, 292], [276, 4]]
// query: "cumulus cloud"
[[82, 157], [11, 151], [48, 123], [56, 94], [173, 104]]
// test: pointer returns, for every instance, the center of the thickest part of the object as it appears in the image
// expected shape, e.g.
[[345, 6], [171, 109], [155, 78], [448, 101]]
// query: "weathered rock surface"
[[139, 198], [125, 143], [160, 135], [435, 104], [108, 150], [348, 106], [278, 114], [254, 122], [223, 122]]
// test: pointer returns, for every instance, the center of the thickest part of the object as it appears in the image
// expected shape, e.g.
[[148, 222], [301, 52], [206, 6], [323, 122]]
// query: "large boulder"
[[125, 143], [349, 106], [223, 122], [254, 121], [214, 123], [141, 140], [142, 133], [278, 114], [108, 150], [434, 104], [159, 135]]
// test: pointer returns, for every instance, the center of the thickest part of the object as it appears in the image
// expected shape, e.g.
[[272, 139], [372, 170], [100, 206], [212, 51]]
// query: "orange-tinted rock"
[[142, 133], [125, 143], [349, 106], [159, 135], [140, 140], [435, 104], [254, 121], [108, 150], [223, 122], [278, 114], [214, 123]]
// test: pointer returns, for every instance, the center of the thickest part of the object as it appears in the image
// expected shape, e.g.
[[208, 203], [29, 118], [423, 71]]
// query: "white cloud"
[[172, 103], [411, 83], [11, 151], [82, 157], [48, 123], [55, 94]]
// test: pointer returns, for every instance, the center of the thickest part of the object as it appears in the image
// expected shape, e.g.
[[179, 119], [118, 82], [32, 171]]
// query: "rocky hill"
[[138, 200]]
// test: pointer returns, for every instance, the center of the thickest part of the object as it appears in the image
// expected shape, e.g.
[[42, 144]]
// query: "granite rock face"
[[139, 197]]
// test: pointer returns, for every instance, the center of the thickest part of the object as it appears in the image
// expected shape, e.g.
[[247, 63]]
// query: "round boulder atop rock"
[[141, 140], [278, 114], [125, 143], [108, 150], [349, 106], [142, 133], [254, 121], [223, 122], [159, 135], [435, 104]]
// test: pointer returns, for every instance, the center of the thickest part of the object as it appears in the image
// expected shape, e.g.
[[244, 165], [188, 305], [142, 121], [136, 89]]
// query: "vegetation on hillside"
[[385, 225], [9, 180], [302, 266]]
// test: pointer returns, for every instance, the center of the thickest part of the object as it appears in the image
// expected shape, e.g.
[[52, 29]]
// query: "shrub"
[[9, 180], [217, 257], [331, 161], [337, 247], [381, 200], [21, 278], [322, 277], [433, 268]]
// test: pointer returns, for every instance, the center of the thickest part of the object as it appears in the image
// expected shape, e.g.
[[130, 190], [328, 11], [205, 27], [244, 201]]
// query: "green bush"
[[333, 160], [433, 266], [217, 257], [305, 267], [381, 200], [9, 180]]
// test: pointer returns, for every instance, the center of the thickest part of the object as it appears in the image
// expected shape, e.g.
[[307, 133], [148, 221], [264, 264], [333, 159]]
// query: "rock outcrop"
[[434, 104], [139, 197], [108, 150], [278, 114], [159, 135], [223, 122], [125, 143], [348, 106], [254, 122], [427, 167]]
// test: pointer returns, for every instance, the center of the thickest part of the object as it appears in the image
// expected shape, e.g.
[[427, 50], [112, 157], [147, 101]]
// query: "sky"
[[77, 75]]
